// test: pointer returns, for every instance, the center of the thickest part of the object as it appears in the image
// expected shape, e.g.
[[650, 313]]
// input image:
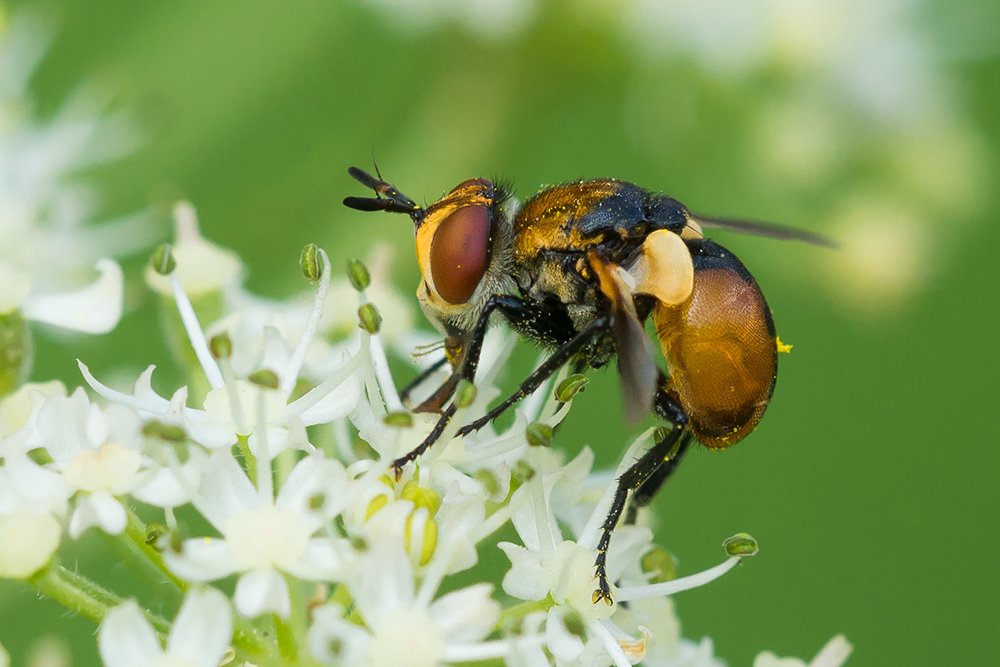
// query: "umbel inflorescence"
[[271, 469]]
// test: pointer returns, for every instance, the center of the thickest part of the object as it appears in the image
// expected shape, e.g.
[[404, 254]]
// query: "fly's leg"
[[647, 491], [404, 395], [653, 468], [548, 368], [514, 309]]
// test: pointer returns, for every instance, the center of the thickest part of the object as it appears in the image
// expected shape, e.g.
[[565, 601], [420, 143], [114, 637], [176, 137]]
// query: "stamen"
[[291, 373], [610, 643], [319, 392], [677, 585], [384, 375], [592, 531], [265, 483], [195, 333]]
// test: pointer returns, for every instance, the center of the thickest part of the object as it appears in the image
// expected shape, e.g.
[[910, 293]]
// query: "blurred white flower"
[[45, 251], [33, 501], [834, 654], [199, 637], [490, 20], [404, 626], [873, 53]]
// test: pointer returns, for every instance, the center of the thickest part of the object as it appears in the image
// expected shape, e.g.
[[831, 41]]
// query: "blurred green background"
[[872, 482]]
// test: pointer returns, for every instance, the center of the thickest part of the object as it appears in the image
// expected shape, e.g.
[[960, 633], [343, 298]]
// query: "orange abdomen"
[[721, 348]]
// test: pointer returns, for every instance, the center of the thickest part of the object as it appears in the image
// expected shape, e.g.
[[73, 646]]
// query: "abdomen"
[[721, 348]]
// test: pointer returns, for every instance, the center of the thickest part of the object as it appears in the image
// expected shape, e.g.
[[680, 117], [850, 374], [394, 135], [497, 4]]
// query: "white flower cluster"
[[41, 215], [286, 458]]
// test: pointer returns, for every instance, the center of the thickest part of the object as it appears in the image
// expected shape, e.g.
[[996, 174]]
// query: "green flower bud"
[[489, 480], [264, 378], [741, 544], [539, 435], [465, 394], [571, 386], [163, 260], [369, 318], [316, 501], [221, 346], [522, 472], [165, 432], [311, 263], [660, 563], [358, 274], [398, 419]]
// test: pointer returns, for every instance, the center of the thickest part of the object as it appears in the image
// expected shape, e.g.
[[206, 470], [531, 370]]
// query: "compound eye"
[[459, 253]]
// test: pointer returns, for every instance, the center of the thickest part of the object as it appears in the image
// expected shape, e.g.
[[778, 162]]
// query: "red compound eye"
[[459, 253]]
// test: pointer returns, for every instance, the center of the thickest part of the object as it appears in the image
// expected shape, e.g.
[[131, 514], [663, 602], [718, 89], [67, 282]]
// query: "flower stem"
[[83, 596], [519, 611], [286, 639], [130, 552], [247, 639], [135, 529]]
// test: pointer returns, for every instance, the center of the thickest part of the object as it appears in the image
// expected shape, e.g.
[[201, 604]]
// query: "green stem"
[[247, 639], [135, 529], [286, 639], [138, 560], [85, 597], [519, 611]]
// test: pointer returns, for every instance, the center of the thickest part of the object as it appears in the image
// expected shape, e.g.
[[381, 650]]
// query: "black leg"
[[512, 306], [404, 395], [644, 495], [658, 463], [558, 359]]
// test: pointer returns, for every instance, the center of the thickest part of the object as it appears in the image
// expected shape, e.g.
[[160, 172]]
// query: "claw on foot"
[[603, 595]]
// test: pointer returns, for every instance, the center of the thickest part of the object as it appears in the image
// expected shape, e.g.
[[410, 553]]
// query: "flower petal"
[[98, 509], [262, 590], [126, 639], [466, 615], [225, 489], [203, 628], [319, 562], [27, 542], [95, 309], [202, 559]]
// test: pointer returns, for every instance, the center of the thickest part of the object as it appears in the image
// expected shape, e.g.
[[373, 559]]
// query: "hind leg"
[[644, 478]]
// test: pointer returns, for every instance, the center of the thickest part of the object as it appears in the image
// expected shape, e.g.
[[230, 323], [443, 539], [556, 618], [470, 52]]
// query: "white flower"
[[405, 626], [199, 636], [45, 252], [32, 502], [202, 266], [19, 414], [98, 452], [834, 654], [261, 537]]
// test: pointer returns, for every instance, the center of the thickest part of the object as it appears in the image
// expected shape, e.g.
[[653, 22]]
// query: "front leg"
[[558, 359], [514, 308]]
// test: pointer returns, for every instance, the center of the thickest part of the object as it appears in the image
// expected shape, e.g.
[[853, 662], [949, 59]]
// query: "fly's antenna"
[[387, 198]]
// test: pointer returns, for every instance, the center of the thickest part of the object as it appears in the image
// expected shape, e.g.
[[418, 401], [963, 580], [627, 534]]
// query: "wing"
[[767, 229], [635, 353]]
